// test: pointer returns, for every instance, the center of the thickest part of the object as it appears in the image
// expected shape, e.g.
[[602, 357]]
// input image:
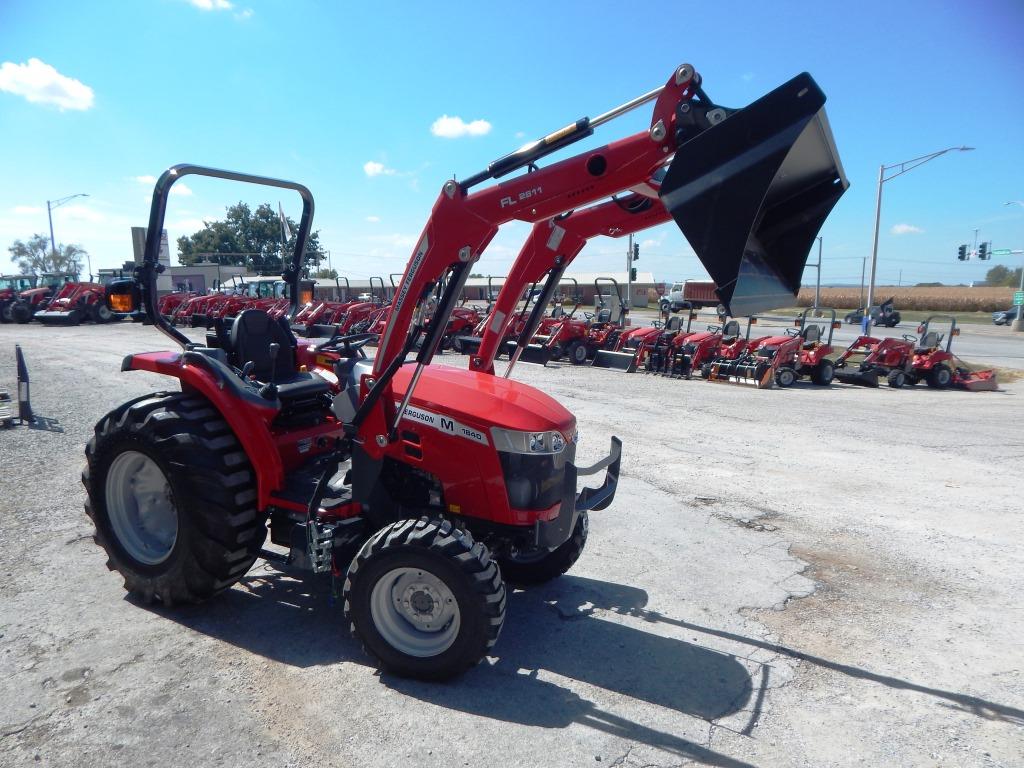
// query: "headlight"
[[514, 441]]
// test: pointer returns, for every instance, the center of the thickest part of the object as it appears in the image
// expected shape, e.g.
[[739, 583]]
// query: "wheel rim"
[[785, 378], [103, 312], [415, 612], [943, 377], [142, 515], [580, 353]]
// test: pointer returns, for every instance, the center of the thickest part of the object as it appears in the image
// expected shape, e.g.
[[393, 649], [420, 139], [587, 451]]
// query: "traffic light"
[[983, 251], [636, 252], [961, 253], [632, 274]]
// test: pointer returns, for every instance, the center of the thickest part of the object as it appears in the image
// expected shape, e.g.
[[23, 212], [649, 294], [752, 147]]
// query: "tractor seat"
[[812, 335], [929, 341], [251, 336], [603, 316], [730, 332], [674, 323]]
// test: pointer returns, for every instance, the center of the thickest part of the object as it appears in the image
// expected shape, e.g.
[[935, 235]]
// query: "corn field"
[[941, 299]]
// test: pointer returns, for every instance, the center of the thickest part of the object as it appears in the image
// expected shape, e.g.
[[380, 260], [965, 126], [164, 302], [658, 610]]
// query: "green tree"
[[36, 257], [329, 274], [247, 238], [1003, 276]]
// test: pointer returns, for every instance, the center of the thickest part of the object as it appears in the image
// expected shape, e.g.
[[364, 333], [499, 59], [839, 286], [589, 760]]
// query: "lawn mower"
[[75, 302], [783, 360], [422, 488]]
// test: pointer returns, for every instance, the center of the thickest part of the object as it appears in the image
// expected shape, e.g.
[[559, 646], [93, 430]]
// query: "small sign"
[[1001, 252], [1018, 298]]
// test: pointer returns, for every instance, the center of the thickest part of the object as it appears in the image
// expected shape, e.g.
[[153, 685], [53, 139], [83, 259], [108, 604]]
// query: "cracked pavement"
[[794, 578]]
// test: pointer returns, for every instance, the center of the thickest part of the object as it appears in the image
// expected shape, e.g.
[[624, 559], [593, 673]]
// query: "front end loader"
[[420, 488]]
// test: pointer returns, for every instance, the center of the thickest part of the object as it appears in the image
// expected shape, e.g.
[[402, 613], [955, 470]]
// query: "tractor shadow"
[[553, 629]]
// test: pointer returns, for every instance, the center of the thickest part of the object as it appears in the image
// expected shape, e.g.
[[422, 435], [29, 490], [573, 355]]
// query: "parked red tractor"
[[31, 300], [783, 360], [414, 486], [11, 286], [75, 302], [907, 361]]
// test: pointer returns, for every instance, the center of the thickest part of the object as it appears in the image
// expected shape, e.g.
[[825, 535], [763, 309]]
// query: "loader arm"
[[551, 247], [749, 188]]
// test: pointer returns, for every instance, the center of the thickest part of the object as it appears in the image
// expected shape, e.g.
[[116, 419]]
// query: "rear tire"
[[939, 377], [823, 373], [5, 313], [21, 313], [208, 498], [539, 566], [896, 379], [425, 599]]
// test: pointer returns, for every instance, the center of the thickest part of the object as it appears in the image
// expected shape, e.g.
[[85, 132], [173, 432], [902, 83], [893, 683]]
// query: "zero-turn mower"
[[422, 488]]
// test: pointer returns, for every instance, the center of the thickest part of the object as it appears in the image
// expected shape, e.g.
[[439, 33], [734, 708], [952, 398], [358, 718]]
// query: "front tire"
[[538, 566], [425, 599], [785, 377], [102, 313], [21, 312], [896, 379], [172, 496], [577, 352], [939, 377]]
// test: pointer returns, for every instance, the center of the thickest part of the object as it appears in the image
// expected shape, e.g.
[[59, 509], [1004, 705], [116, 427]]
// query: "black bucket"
[[751, 192]]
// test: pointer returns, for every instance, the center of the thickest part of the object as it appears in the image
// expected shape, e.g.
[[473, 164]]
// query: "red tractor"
[[783, 360], [696, 351], [422, 488], [11, 286], [75, 302], [31, 300], [909, 360]]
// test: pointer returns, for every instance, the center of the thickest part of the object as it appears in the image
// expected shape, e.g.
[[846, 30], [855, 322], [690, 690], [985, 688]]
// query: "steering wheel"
[[349, 344], [911, 339], [658, 324], [714, 329], [792, 332], [588, 316]]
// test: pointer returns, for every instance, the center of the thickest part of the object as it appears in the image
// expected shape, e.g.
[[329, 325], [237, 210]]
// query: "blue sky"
[[342, 97]]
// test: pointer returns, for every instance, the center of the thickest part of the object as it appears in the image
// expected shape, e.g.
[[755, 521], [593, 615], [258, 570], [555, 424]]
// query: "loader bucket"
[[538, 354], [751, 192], [758, 374], [860, 378], [620, 361]]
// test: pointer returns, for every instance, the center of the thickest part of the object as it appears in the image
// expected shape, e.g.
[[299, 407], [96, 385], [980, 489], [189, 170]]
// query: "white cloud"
[[145, 179], [181, 189], [372, 168], [905, 229], [40, 83], [27, 210], [373, 219], [746, 77], [520, 134], [243, 15], [455, 127], [212, 5]]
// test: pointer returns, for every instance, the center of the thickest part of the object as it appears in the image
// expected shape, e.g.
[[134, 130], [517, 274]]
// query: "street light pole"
[[1018, 322], [50, 205], [817, 284], [904, 167]]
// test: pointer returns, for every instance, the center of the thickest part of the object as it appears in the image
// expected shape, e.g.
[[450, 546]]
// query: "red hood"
[[483, 400]]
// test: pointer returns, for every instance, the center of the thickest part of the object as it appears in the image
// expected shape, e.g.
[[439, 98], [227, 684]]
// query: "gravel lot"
[[798, 577]]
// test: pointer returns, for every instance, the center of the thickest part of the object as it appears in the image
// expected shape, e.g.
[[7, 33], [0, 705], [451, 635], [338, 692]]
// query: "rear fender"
[[249, 423]]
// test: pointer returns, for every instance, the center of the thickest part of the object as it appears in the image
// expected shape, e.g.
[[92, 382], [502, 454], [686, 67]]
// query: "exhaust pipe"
[[751, 192]]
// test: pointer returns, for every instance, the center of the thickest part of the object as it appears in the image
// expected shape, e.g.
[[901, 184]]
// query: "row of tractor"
[[671, 347], [52, 299]]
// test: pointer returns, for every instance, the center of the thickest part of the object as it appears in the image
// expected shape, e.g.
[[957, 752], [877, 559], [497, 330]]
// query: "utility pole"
[[629, 272], [817, 284], [899, 281], [863, 263], [50, 205]]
